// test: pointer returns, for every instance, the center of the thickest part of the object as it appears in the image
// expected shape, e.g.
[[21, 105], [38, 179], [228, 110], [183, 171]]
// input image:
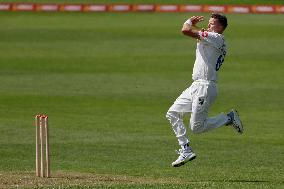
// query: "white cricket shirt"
[[210, 54]]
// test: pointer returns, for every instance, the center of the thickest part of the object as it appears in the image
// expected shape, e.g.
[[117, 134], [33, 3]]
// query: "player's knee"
[[197, 127], [171, 115], [168, 115]]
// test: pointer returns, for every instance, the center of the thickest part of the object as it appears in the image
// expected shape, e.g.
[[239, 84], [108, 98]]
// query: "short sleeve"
[[212, 38]]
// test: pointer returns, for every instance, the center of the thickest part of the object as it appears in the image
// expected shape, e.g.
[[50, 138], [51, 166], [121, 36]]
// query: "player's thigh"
[[183, 103], [202, 101]]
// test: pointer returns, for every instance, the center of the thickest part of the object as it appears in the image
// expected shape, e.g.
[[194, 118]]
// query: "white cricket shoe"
[[184, 157], [236, 121]]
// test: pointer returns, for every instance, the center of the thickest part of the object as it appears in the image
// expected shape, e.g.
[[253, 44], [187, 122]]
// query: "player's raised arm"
[[189, 25]]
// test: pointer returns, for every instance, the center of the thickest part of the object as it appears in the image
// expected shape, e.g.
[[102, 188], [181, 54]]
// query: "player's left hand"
[[195, 19]]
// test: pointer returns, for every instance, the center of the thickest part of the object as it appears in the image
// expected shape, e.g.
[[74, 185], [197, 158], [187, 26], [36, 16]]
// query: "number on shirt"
[[220, 60]]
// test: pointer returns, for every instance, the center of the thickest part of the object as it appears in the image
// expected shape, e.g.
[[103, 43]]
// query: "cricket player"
[[198, 98]]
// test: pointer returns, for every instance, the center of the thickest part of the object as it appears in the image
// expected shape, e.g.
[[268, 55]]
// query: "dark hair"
[[221, 18]]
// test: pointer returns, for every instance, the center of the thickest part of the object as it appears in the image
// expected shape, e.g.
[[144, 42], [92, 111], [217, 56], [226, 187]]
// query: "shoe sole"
[[239, 124], [184, 162]]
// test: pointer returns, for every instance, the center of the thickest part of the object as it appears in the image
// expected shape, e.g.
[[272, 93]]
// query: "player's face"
[[214, 25]]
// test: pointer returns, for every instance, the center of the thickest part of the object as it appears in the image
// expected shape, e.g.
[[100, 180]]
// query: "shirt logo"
[[204, 34]]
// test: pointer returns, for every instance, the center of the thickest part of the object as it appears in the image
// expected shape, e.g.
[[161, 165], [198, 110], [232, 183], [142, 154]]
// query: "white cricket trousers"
[[196, 99]]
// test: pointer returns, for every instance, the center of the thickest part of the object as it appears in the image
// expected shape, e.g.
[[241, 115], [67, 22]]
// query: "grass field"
[[107, 80]]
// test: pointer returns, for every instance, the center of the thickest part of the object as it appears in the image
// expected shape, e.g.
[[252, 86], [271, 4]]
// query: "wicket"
[[42, 146]]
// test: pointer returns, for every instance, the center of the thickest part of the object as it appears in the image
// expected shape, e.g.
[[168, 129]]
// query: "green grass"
[[106, 81], [225, 2]]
